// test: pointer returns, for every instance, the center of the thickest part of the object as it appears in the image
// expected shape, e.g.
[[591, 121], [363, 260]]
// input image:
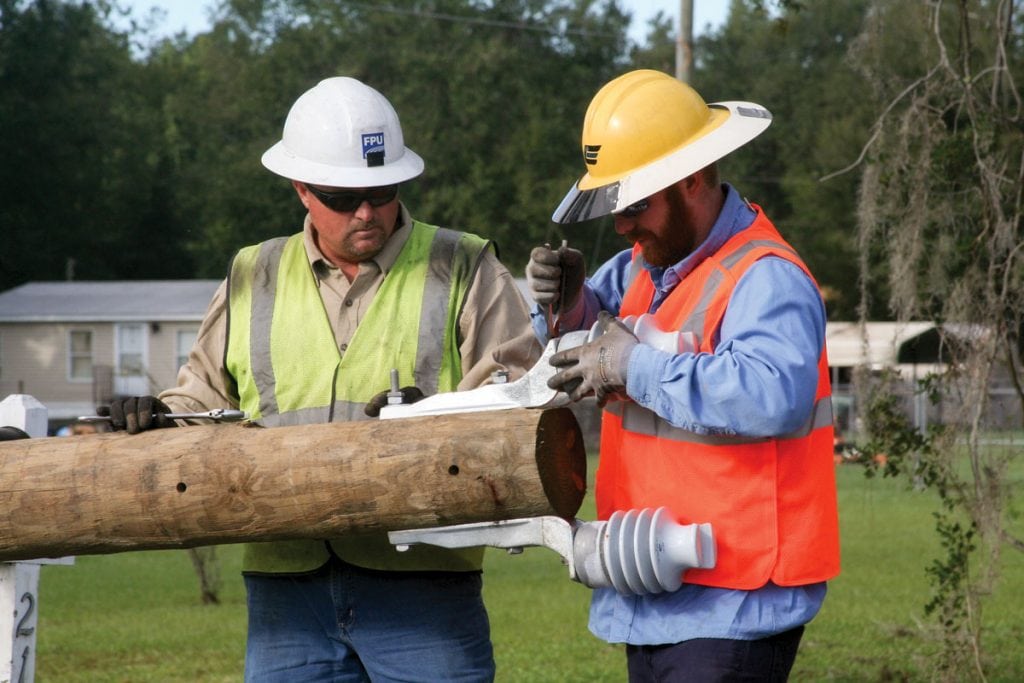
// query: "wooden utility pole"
[[684, 42], [208, 485]]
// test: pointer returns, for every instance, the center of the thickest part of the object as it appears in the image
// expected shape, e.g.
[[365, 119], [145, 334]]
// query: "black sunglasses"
[[347, 201], [635, 209]]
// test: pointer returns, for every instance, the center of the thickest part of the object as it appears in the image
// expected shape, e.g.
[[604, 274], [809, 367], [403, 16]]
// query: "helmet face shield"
[[582, 205]]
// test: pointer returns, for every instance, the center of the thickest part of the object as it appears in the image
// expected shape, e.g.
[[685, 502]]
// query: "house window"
[[185, 340], [131, 343], [80, 355], [130, 350]]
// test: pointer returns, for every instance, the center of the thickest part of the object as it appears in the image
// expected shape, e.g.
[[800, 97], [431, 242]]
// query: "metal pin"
[[395, 395]]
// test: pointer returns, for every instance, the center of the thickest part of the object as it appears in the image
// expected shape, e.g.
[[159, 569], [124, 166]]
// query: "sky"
[[190, 15]]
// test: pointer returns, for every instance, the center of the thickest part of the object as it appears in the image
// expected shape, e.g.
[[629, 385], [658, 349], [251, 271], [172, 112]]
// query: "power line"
[[454, 18]]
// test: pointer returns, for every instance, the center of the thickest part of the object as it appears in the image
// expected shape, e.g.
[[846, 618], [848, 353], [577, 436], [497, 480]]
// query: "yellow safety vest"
[[284, 359]]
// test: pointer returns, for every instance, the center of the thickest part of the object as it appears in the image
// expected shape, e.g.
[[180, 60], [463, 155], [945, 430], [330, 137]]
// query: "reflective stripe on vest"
[[641, 420], [283, 355], [771, 501]]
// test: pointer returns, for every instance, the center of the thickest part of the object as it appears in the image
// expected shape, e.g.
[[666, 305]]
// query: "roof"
[[882, 344], [116, 300], [849, 344]]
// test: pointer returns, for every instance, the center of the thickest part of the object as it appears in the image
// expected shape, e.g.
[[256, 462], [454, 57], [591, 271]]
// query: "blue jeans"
[[344, 623], [715, 660]]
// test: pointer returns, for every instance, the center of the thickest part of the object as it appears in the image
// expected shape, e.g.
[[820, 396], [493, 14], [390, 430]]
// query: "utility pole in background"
[[684, 41]]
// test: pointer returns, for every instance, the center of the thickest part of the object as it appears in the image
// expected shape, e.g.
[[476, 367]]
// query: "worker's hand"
[[409, 395], [137, 414], [12, 433], [597, 367], [545, 274]]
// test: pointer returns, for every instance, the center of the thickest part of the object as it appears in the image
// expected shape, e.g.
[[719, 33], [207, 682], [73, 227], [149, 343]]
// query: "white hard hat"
[[343, 133]]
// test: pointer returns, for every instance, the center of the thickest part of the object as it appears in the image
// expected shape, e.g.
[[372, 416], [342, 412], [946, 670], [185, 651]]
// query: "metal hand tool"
[[217, 414], [550, 316]]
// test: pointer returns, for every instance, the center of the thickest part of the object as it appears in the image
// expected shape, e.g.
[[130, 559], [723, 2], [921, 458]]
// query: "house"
[[916, 350], [910, 348], [76, 345]]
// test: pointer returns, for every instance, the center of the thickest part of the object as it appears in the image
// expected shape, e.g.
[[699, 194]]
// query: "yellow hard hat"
[[646, 130]]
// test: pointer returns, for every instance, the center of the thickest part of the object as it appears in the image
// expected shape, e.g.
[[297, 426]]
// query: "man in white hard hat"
[[730, 423], [307, 329]]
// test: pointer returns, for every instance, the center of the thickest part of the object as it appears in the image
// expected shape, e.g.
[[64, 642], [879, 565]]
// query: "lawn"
[[137, 617]]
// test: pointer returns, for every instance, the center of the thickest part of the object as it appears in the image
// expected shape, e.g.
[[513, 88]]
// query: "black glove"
[[597, 367], [546, 271], [12, 433], [409, 395], [137, 414]]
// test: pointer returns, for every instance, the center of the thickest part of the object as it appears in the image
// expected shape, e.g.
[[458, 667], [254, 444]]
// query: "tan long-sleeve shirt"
[[494, 326]]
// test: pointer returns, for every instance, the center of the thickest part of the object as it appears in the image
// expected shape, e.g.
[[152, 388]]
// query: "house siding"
[[36, 319], [163, 351], [34, 361]]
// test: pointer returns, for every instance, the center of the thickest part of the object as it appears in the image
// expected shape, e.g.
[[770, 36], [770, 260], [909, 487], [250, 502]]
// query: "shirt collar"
[[384, 261], [736, 215]]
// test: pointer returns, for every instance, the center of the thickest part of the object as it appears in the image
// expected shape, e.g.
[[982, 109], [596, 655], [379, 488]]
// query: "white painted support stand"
[[19, 581]]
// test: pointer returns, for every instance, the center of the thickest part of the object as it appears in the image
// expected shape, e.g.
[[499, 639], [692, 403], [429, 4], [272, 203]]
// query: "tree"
[[940, 216], [791, 60], [491, 95], [80, 188]]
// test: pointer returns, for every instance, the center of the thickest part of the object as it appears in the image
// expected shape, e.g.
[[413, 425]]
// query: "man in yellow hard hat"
[[306, 329], [729, 421]]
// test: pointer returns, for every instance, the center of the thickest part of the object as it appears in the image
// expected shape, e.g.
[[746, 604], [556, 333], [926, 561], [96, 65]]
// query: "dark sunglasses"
[[634, 209], [347, 201]]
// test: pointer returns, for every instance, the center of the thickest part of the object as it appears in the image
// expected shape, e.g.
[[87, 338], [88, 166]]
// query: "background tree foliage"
[[940, 211], [82, 155], [131, 157]]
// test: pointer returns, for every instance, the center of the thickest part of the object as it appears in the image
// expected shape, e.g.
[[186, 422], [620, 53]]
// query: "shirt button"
[[348, 302], [344, 348]]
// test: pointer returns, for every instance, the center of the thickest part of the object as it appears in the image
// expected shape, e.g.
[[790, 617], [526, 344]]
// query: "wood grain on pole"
[[207, 485]]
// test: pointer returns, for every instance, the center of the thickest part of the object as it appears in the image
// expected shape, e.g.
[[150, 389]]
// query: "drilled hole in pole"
[[453, 470], [181, 487]]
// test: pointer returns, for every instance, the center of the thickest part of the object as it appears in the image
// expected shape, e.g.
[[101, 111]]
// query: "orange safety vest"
[[771, 501]]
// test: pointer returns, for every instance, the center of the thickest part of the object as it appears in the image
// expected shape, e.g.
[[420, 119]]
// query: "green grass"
[[137, 617]]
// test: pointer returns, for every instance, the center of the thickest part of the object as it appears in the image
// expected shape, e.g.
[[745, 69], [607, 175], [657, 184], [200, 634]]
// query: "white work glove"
[[545, 274], [597, 367]]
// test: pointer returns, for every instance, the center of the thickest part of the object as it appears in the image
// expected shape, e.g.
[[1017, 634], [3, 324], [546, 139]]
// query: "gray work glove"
[[544, 275], [12, 433], [137, 414], [409, 395], [597, 367]]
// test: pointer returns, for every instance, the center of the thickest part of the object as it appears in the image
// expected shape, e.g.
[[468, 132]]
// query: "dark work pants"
[[713, 660]]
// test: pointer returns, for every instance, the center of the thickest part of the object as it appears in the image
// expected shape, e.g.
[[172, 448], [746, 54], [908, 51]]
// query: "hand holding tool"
[[133, 422], [555, 280]]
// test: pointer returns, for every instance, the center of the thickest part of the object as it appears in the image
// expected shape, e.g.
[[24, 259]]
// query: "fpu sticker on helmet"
[[373, 148]]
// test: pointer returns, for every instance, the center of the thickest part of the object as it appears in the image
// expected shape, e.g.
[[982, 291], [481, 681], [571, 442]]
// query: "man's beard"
[[677, 242]]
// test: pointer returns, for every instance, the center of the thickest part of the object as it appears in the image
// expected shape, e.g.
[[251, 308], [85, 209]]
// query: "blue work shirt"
[[760, 381]]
